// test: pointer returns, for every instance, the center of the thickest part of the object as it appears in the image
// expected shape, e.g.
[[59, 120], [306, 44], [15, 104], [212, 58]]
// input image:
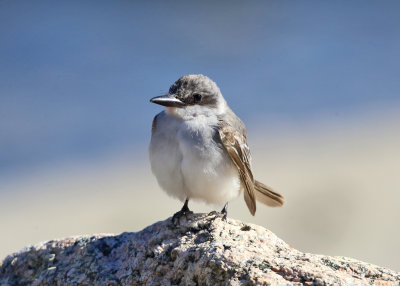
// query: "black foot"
[[222, 214], [184, 212], [214, 213]]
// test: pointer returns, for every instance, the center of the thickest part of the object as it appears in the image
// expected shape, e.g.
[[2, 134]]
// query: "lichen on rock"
[[203, 250]]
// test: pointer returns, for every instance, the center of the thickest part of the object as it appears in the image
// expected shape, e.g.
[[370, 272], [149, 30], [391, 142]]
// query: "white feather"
[[187, 161]]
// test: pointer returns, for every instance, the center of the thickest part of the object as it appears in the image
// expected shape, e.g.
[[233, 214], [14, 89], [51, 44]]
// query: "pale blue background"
[[76, 76]]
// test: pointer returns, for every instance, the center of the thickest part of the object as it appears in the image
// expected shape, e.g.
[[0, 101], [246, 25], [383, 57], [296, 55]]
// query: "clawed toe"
[[213, 213], [223, 214], [218, 215], [184, 212], [181, 214]]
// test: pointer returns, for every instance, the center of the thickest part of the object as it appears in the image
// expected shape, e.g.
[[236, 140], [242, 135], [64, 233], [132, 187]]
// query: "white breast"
[[189, 163], [165, 156]]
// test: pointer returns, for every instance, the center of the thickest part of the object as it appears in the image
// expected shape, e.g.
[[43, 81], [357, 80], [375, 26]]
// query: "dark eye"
[[197, 97]]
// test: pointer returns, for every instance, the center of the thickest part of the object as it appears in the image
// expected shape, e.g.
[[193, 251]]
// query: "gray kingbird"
[[198, 148]]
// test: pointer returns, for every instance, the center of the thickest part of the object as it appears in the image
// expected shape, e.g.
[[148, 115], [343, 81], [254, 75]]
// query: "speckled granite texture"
[[201, 251]]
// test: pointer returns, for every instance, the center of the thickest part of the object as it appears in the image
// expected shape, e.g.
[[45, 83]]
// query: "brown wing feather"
[[267, 195], [236, 146]]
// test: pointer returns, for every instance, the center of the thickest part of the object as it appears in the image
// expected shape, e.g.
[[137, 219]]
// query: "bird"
[[198, 149]]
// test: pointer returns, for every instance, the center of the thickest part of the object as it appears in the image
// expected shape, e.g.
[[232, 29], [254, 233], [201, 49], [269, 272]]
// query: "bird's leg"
[[183, 212], [222, 214], [224, 211], [185, 208]]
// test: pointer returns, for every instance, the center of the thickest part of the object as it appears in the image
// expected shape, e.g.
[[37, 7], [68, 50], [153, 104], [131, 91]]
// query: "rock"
[[201, 251]]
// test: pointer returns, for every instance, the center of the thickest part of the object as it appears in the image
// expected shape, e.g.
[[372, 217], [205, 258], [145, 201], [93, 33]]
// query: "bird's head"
[[191, 96]]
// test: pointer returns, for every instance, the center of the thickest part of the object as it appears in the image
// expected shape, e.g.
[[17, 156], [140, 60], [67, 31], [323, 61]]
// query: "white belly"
[[188, 163]]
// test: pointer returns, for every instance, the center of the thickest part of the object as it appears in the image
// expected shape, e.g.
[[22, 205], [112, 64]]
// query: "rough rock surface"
[[201, 251]]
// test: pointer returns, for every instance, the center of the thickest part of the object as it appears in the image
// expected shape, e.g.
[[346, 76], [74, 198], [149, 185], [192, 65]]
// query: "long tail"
[[267, 196]]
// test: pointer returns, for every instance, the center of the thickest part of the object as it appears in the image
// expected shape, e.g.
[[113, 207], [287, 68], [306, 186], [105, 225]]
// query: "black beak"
[[167, 100]]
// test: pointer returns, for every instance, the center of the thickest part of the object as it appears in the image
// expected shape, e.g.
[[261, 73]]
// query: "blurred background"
[[317, 84]]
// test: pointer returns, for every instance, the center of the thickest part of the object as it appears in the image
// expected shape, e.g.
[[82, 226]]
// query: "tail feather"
[[267, 196]]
